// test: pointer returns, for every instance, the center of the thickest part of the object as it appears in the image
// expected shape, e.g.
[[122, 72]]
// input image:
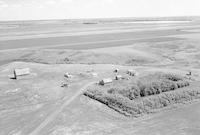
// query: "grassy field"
[[161, 51]]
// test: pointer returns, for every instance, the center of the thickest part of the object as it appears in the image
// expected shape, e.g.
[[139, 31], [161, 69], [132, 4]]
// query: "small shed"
[[105, 81], [189, 73], [94, 74], [118, 77], [68, 75], [64, 85], [21, 72]]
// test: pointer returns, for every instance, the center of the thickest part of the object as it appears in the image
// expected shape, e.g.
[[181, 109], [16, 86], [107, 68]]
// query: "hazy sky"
[[56, 9]]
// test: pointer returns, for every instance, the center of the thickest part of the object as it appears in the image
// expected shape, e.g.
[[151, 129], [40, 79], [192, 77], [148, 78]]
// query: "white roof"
[[20, 72], [107, 80]]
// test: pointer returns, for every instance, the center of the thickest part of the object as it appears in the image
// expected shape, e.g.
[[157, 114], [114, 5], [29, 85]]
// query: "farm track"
[[59, 110]]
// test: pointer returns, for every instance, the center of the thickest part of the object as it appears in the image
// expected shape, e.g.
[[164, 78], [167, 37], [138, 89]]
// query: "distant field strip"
[[112, 43], [89, 31], [103, 44], [84, 39]]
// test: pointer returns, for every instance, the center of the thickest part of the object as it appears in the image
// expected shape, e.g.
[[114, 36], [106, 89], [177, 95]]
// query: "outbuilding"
[[189, 73], [94, 74], [68, 75], [21, 72], [118, 77], [105, 81]]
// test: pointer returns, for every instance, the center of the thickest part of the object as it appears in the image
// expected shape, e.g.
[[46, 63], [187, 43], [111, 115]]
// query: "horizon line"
[[101, 18]]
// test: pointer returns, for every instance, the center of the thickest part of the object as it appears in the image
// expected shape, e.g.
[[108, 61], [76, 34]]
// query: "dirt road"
[[57, 111]]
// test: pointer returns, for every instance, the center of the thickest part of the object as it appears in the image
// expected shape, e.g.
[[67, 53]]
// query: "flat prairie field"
[[88, 36], [152, 66]]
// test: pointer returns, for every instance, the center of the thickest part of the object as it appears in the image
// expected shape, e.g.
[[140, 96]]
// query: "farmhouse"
[[105, 81], [21, 72]]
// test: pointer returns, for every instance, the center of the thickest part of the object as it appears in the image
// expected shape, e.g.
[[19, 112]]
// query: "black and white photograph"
[[99, 67]]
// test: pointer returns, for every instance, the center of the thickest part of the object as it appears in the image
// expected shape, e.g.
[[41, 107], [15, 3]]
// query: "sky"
[[73, 9]]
